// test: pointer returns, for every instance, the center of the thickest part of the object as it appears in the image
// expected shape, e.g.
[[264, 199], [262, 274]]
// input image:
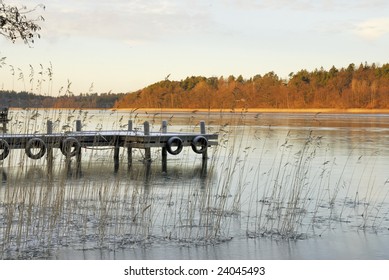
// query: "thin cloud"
[[129, 21], [373, 29], [307, 5]]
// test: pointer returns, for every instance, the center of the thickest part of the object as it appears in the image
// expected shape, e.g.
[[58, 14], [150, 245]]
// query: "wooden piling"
[[4, 118], [147, 161], [78, 125], [116, 155], [50, 148], [204, 164], [4, 127], [203, 131], [147, 149], [78, 155], [129, 149], [164, 150]]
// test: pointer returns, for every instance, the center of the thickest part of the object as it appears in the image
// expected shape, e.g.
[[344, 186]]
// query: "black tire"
[[199, 144], [67, 145], [174, 142], [5, 147], [35, 143]]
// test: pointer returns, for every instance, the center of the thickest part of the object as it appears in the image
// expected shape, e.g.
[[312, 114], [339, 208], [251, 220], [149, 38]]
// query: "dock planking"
[[127, 139], [71, 143]]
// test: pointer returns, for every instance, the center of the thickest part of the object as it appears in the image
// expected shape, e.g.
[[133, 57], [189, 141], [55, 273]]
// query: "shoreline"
[[238, 110], [263, 110]]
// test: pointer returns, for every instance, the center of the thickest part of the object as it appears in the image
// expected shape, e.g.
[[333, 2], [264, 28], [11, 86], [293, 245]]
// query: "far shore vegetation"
[[364, 86]]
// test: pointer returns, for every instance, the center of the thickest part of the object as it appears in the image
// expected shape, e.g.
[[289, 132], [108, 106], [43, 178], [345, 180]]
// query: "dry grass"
[[297, 194]]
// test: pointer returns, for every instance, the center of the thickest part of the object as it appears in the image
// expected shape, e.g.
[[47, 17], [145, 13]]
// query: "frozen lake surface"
[[279, 186]]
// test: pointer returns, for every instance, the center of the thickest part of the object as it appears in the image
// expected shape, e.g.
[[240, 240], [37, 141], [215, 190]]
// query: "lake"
[[278, 186]]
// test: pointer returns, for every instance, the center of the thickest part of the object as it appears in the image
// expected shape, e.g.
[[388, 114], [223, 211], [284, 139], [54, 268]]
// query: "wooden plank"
[[128, 139]]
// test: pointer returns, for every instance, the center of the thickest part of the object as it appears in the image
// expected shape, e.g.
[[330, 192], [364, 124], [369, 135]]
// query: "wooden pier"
[[38, 145]]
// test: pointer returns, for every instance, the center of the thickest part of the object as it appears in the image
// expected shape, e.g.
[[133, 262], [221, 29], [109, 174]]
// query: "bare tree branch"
[[15, 23]]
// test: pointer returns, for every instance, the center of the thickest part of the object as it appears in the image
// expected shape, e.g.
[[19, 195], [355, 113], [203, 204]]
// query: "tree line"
[[29, 100], [364, 86]]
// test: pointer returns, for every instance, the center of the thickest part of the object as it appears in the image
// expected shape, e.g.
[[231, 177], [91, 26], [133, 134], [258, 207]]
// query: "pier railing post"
[[146, 126], [78, 125], [129, 149], [164, 151], [4, 118]]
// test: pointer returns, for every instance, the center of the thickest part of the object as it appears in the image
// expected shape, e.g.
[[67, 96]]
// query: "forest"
[[364, 86], [29, 100]]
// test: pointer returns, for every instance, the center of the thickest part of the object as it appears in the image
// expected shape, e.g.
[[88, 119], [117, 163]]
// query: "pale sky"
[[125, 45]]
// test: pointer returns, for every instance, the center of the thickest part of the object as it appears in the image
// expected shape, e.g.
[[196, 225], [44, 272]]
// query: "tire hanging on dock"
[[35, 143], [67, 145], [5, 147], [174, 145], [199, 144]]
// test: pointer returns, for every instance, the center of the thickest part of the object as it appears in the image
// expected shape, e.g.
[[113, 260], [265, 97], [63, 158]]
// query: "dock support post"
[[147, 161], [129, 149], [4, 118], [78, 156], [205, 153], [146, 133], [164, 151], [203, 131], [116, 154], [4, 127], [78, 125], [50, 148]]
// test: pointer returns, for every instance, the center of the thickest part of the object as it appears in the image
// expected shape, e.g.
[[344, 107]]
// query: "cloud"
[[373, 29], [129, 21], [308, 5]]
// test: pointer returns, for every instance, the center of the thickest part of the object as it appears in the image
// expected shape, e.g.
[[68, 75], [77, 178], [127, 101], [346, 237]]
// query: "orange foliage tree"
[[366, 86]]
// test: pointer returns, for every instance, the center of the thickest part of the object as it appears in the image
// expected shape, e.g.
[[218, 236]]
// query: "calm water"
[[279, 186]]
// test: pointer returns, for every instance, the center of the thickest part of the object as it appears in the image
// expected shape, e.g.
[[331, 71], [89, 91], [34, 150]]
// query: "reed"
[[293, 196]]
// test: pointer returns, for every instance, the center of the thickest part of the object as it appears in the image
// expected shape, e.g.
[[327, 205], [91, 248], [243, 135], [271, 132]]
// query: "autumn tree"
[[366, 86]]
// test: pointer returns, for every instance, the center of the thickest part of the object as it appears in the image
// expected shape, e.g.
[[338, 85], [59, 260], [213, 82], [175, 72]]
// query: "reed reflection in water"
[[270, 178]]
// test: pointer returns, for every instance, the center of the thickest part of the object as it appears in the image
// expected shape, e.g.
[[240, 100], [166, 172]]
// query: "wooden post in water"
[[78, 125], [49, 148], [202, 131], [164, 151], [129, 149], [147, 149], [116, 154], [205, 153], [78, 155], [4, 118], [147, 160]]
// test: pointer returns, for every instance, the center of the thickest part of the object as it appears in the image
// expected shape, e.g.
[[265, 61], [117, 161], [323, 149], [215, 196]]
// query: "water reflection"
[[279, 186], [359, 246], [3, 176], [149, 173]]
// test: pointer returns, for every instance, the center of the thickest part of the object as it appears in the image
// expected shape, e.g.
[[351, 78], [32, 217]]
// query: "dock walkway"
[[70, 144]]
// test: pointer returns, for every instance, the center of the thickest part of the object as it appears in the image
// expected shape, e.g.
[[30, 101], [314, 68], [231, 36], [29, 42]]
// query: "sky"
[[125, 45]]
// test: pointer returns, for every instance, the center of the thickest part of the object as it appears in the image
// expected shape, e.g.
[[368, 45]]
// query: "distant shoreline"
[[266, 110], [238, 110]]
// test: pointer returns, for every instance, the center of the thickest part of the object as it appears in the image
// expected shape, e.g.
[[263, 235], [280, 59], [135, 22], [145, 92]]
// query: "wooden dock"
[[38, 145]]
